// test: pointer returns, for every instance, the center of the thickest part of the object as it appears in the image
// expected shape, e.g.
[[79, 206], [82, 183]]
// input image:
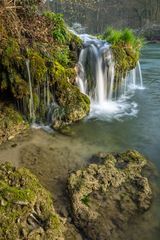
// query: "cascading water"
[[31, 102], [43, 99], [140, 75], [96, 78], [96, 70]]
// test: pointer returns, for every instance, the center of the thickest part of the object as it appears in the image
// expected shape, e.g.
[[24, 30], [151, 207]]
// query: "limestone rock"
[[105, 197]]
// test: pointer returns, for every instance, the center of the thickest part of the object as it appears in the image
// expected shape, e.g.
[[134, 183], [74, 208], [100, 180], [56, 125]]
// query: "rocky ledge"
[[106, 196]]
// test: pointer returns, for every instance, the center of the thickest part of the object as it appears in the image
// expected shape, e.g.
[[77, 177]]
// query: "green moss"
[[77, 40], [62, 56], [76, 104], [18, 86], [56, 71], [37, 66], [9, 117], [13, 195], [22, 197], [36, 101], [11, 122], [59, 31], [12, 60], [12, 78], [11, 54]]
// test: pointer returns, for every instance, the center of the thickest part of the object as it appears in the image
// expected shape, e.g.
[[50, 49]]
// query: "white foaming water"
[[31, 103], [46, 128], [111, 110], [96, 78]]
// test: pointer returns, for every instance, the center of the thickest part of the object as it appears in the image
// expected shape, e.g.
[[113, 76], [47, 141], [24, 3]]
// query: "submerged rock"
[[106, 197], [26, 209]]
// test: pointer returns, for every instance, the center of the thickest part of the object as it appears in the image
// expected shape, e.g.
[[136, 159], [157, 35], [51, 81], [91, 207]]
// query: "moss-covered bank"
[[37, 59]]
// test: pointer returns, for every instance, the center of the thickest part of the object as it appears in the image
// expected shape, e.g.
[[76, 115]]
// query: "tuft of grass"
[[112, 36], [125, 37]]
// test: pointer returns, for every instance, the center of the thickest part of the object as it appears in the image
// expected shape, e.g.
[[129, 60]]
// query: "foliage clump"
[[126, 48], [125, 37]]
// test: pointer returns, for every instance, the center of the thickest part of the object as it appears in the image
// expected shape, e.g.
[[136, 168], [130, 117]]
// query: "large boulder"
[[106, 196], [75, 105]]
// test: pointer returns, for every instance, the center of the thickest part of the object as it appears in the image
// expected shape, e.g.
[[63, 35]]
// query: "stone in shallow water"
[[106, 197]]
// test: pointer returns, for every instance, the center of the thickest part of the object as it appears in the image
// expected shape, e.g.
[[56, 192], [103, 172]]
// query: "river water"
[[51, 156]]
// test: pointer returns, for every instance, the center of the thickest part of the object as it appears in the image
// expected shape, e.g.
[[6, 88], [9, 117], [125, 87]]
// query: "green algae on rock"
[[26, 210], [11, 122], [75, 104], [106, 197]]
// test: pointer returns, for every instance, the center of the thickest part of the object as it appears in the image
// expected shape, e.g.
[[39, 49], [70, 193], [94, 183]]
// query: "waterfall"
[[100, 90], [140, 74], [111, 74], [31, 102], [134, 77], [96, 73]]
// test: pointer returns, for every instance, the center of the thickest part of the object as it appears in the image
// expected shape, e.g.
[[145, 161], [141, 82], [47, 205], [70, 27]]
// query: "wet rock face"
[[26, 210], [76, 105], [106, 197]]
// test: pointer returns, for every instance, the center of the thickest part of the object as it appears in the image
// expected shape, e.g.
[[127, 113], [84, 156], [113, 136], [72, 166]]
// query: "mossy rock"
[[37, 66], [26, 210], [126, 48], [11, 122], [106, 197], [126, 59], [75, 103]]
